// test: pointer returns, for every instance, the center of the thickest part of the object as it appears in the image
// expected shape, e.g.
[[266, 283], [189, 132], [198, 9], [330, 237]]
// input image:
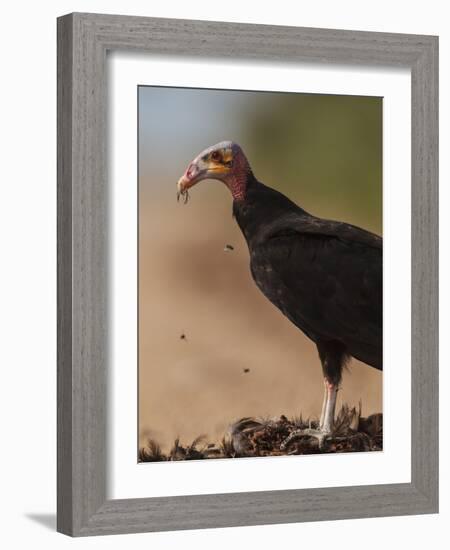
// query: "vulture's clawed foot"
[[321, 435]]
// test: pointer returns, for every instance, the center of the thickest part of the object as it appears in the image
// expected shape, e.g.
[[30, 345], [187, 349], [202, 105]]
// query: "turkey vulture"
[[325, 276]]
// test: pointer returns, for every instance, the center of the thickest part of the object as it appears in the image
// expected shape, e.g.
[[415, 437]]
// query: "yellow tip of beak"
[[182, 189], [180, 184]]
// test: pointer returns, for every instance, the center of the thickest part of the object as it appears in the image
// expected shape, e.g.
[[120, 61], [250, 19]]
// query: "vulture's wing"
[[326, 277], [306, 224]]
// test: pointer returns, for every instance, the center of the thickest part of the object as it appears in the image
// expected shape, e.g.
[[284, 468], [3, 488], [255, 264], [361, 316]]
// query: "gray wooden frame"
[[83, 40]]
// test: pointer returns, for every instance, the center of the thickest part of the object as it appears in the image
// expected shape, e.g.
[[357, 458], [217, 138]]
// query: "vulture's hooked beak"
[[194, 173], [215, 163]]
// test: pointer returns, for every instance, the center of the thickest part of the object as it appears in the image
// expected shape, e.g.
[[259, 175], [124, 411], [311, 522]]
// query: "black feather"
[[324, 275]]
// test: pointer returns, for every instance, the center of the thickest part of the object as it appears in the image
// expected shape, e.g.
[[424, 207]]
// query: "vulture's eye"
[[215, 156]]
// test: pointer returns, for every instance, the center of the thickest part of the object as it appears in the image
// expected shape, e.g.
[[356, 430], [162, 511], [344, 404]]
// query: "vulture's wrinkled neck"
[[240, 178], [238, 184]]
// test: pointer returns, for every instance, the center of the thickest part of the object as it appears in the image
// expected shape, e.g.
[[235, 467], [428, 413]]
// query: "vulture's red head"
[[224, 161]]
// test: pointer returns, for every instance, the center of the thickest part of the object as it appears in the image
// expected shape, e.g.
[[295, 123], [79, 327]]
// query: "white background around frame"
[[127, 479], [28, 275]]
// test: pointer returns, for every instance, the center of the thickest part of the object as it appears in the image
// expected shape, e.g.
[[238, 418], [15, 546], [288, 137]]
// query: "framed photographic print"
[[247, 274]]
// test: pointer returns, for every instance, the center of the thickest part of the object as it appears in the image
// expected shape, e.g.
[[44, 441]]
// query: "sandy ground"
[[190, 286]]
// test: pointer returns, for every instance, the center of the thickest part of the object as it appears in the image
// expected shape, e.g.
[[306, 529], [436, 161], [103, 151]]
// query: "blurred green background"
[[325, 153]]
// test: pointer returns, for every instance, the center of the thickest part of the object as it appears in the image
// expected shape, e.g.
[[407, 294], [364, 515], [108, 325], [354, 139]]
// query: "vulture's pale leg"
[[324, 403], [327, 421]]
